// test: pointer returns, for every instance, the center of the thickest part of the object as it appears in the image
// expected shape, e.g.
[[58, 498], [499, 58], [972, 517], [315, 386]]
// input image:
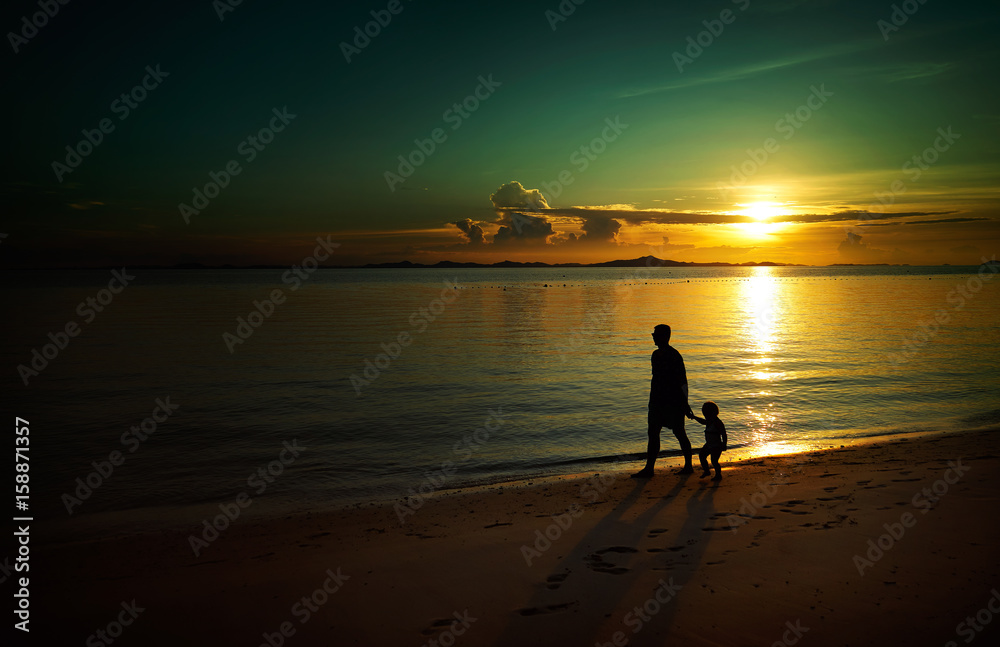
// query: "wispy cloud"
[[900, 72], [755, 69]]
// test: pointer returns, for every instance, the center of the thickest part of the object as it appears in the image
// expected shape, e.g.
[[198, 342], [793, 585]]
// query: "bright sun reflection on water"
[[774, 448], [759, 305], [763, 334]]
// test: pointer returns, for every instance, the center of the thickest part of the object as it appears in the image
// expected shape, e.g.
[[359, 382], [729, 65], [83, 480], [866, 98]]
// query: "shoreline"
[[565, 561], [178, 517]]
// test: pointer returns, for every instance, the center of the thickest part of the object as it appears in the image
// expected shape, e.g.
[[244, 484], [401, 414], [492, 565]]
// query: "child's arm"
[[701, 420]]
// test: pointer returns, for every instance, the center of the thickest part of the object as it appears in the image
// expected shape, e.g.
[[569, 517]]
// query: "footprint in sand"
[[831, 489], [554, 581], [552, 608], [437, 626], [597, 563], [837, 522]]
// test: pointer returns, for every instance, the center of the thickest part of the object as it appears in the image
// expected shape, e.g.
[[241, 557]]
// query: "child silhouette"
[[716, 439]]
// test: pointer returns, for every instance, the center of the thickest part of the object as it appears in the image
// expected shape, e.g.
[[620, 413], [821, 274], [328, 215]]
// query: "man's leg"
[[652, 447], [682, 440]]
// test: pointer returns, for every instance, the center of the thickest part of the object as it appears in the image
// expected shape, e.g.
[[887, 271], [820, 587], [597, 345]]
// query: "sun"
[[761, 211]]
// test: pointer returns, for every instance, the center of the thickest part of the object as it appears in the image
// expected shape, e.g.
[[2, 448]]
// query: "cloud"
[[514, 196], [666, 246], [907, 72], [518, 228], [935, 222], [750, 70], [634, 216], [472, 231], [856, 251], [600, 229], [85, 204]]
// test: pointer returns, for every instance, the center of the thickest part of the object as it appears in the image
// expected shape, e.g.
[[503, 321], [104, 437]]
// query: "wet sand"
[[777, 552]]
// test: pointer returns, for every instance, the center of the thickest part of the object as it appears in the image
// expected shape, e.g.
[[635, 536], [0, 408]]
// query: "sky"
[[797, 131]]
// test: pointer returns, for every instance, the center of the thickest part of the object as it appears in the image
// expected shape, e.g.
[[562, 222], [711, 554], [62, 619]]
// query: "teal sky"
[[659, 178]]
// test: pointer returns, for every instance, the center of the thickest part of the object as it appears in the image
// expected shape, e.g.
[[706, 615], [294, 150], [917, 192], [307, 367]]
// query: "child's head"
[[710, 409]]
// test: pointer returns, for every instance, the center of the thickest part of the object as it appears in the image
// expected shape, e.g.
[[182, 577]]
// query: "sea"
[[185, 389]]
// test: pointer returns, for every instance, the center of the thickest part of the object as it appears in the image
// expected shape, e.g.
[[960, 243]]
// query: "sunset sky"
[[605, 134]]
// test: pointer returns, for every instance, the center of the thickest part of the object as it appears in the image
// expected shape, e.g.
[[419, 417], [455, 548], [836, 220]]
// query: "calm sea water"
[[554, 361]]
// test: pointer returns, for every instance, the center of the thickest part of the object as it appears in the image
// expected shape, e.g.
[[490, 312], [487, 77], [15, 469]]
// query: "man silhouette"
[[668, 401]]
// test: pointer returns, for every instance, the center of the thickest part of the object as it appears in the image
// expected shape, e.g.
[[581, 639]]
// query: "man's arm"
[[683, 380]]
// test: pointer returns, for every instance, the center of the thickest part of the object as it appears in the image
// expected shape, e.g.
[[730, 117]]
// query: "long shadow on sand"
[[686, 549], [597, 563]]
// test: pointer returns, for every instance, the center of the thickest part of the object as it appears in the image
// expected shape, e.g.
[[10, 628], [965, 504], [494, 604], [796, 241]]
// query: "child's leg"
[[702, 455], [715, 463]]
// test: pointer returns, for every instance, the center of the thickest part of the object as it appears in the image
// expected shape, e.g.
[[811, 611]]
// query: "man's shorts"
[[672, 419]]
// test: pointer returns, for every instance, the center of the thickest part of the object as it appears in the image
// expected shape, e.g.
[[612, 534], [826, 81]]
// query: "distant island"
[[642, 261]]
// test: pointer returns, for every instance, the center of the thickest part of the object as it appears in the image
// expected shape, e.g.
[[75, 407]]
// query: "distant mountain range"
[[642, 261]]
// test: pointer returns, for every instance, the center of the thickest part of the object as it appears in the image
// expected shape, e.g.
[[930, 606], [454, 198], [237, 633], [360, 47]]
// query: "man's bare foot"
[[643, 474], [686, 470], [705, 473], [717, 477]]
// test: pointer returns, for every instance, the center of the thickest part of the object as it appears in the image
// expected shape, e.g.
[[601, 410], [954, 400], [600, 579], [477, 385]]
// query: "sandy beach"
[[891, 542]]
